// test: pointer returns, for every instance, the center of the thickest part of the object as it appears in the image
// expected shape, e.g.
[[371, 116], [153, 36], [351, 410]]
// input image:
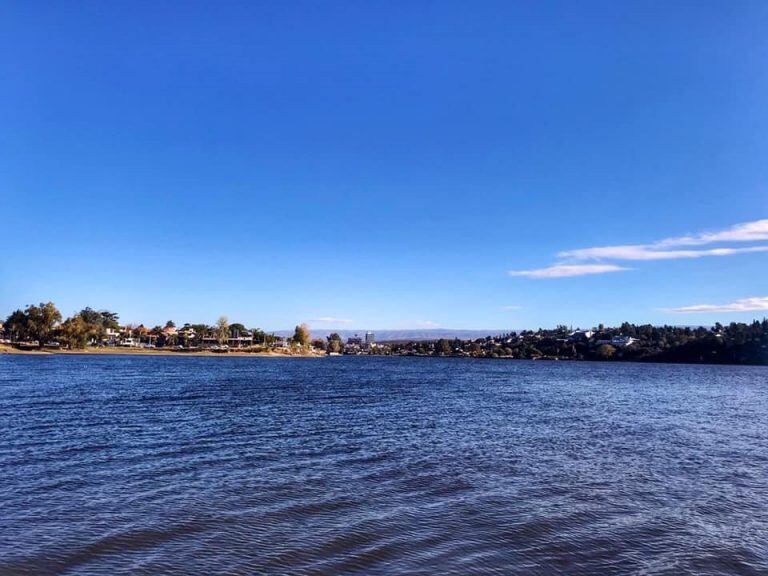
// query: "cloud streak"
[[742, 305], [649, 252], [670, 248], [568, 270], [603, 259], [331, 320], [755, 231]]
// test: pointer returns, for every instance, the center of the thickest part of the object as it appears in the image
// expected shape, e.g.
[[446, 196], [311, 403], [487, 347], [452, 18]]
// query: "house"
[[617, 341], [187, 333], [580, 335], [210, 341], [236, 339], [145, 336], [112, 336], [240, 339]]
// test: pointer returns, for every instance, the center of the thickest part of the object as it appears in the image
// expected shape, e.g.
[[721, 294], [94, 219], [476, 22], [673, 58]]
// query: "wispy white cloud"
[[742, 305], [509, 308], [568, 270], [331, 320], [576, 262], [427, 324], [650, 252], [669, 248], [755, 231]]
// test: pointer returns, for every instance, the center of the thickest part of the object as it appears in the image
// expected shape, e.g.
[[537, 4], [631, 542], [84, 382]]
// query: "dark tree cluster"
[[735, 343]]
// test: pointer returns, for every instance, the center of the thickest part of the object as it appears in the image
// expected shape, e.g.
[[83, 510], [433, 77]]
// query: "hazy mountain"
[[416, 334]]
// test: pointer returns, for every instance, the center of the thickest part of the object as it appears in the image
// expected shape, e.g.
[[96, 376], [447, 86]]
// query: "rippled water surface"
[[137, 465]]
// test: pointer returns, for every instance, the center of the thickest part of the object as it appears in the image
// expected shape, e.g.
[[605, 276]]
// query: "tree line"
[[734, 343], [44, 324]]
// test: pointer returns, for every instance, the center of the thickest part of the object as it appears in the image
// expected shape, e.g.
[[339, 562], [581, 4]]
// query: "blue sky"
[[386, 165]]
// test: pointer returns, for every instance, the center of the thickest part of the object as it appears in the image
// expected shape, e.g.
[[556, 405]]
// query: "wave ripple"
[[120, 465]]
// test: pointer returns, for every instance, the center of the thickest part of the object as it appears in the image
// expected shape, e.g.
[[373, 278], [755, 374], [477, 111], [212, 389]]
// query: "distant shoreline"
[[11, 350]]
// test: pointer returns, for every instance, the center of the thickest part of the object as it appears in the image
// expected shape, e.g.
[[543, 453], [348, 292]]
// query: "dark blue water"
[[137, 465]]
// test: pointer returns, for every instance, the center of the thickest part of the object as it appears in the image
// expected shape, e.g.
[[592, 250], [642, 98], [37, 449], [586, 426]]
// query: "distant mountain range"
[[406, 335], [416, 334]]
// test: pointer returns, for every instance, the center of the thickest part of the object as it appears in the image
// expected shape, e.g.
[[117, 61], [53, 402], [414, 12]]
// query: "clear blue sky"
[[385, 164]]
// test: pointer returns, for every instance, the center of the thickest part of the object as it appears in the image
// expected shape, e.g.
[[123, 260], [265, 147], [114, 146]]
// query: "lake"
[[370, 465]]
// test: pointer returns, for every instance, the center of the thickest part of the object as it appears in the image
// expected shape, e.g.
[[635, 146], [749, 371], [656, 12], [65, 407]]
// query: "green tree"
[[156, 336], [259, 336], [16, 326], [41, 321], [319, 344], [90, 316], [110, 319], [98, 321], [335, 345], [237, 329], [75, 332], [222, 330], [302, 336], [201, 331], [443, 347]]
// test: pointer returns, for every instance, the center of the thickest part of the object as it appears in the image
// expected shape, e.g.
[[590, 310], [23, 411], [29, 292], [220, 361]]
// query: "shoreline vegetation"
[[41, 330], [118, 351]]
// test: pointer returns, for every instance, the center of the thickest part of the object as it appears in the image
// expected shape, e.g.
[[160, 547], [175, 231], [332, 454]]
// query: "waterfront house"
[[112, 336], [240, 339], [170, 331], [618, 341], [622, 341], [234, 341], [580, 335], [187, 333]]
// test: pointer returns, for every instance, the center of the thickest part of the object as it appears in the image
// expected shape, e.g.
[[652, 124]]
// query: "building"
[[187, 333], [233, 341], [622, 341], [280, 342], [170, 331], [617, 341], [112, 336], [354, 345], [240, 339], [581, 335], [370, 338]]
